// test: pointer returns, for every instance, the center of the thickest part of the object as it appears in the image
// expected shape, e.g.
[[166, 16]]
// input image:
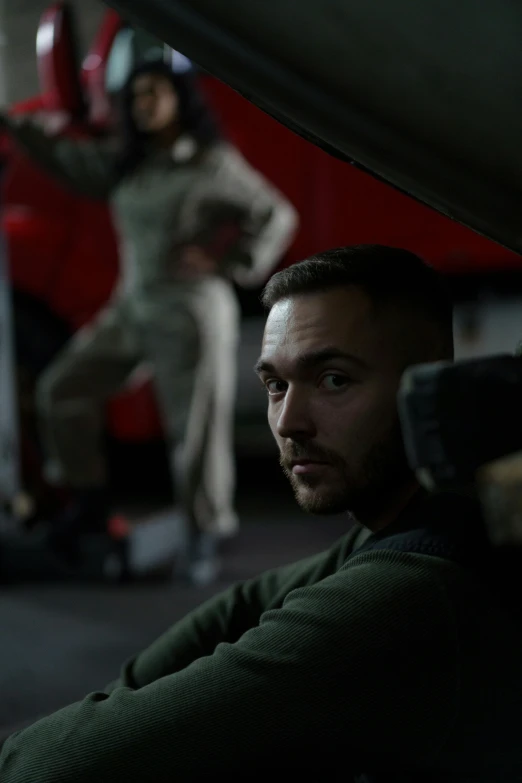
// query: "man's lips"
[[300, 466]]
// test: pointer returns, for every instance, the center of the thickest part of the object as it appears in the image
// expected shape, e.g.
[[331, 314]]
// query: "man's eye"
[[275, 387], [333, 382]]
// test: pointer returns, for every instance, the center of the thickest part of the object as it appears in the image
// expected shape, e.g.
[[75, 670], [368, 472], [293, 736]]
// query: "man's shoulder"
[[437, 545], [438, 537], [447, 526], [394, 570]]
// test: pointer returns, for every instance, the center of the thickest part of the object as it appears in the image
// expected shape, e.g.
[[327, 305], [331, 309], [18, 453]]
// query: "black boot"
[[87, 514], [199, 563]]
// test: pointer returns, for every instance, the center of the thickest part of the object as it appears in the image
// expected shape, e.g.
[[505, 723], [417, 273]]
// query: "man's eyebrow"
[[312, 359], [263, 366]]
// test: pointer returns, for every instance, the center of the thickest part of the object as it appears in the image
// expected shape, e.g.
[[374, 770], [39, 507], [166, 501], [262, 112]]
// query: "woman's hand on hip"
[[196, 262]]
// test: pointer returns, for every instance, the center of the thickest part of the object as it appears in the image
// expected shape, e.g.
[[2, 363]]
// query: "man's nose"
[[294, 417]]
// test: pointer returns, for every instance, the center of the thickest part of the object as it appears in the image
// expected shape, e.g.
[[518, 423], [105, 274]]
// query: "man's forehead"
[[335, 311], [311, 322]]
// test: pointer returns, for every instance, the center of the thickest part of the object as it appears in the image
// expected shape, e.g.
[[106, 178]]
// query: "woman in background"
[[192, 215]]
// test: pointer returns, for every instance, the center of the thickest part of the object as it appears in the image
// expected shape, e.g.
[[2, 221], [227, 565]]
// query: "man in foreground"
[[376, 660]]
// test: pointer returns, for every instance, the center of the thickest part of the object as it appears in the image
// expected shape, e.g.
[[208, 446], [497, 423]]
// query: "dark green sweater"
[[394, 661]]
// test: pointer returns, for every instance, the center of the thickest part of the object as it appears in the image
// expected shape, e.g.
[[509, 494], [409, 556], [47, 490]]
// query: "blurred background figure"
[[192, 216]]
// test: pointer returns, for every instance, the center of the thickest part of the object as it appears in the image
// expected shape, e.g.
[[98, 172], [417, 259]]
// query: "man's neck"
[[394, 507]]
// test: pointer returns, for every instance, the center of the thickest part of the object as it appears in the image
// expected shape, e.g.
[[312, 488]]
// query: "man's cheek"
[[375, 411], [272, 423]]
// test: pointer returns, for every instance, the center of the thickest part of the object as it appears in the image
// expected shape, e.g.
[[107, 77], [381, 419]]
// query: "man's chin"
[[320, 502], [314, 497]]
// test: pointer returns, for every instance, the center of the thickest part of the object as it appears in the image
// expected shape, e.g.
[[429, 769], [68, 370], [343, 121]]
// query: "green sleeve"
[[87, 167], [226, 617], [362, 663]]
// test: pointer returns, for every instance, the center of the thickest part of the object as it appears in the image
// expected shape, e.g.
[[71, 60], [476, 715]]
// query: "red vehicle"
[[62, 248]]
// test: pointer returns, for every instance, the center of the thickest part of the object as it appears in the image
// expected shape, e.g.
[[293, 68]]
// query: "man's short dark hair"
[[387, 275]]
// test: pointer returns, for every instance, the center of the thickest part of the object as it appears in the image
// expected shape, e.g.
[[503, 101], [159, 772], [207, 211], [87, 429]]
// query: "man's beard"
[[363, 490]]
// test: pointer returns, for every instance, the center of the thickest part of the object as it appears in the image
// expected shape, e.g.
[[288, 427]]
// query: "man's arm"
[[226, 617], [361, 664]]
